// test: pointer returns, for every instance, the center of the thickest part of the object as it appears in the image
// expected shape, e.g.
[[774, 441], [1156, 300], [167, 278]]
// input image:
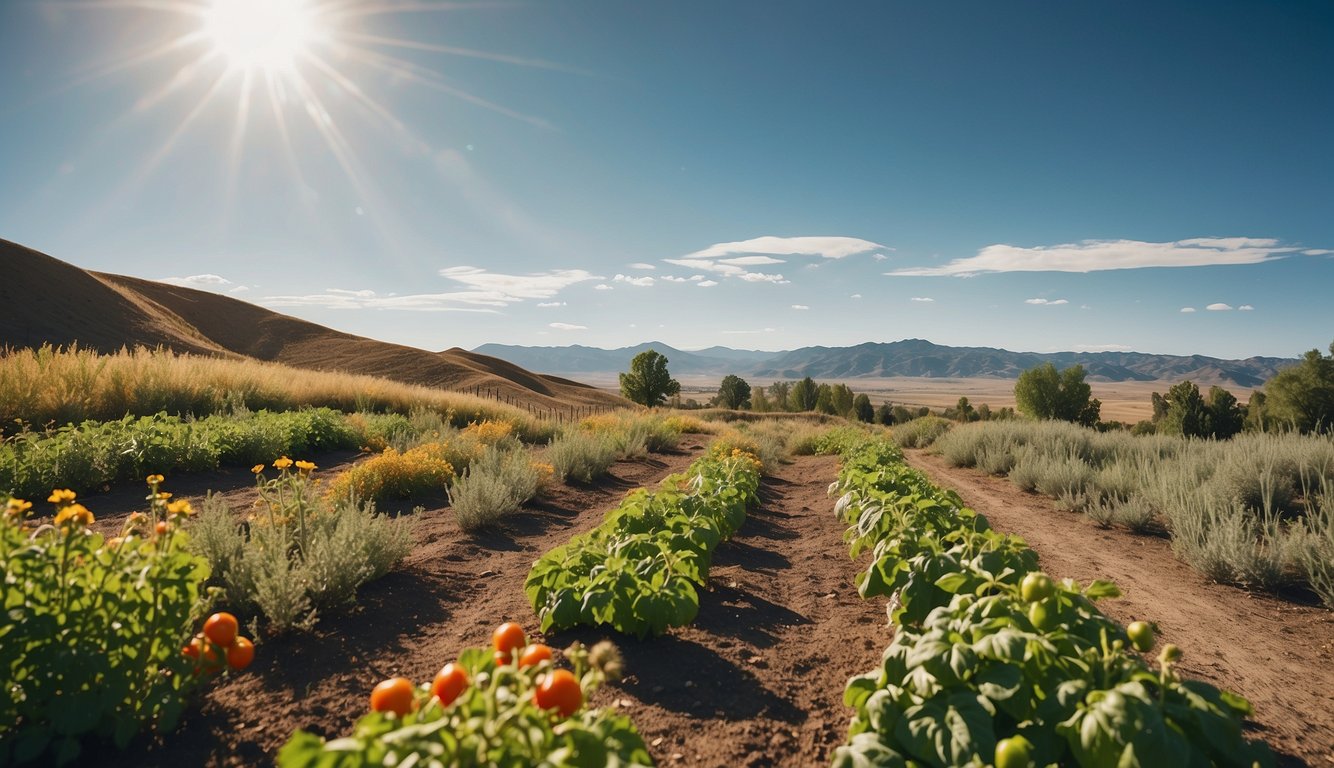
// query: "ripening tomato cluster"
[[219, 645], [557, 690]]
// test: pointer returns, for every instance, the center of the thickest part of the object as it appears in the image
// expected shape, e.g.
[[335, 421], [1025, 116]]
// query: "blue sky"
[[1036, 176]]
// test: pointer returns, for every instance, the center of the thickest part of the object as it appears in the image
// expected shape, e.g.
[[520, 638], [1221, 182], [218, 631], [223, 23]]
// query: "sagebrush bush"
[[581, 456], [301, 552], [920, 433], [496, 485], [427, 468]]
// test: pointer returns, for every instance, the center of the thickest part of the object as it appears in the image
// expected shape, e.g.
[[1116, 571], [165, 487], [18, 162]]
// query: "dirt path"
[[758, 679], [1275, 653]]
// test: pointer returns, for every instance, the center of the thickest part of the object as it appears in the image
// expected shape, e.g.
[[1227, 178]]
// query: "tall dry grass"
[[1257, 510], [51, 386]]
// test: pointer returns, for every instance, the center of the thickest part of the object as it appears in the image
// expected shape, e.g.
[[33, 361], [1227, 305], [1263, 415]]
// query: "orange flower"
[[180, 508], [17, 509], [257, 468], [305, 466], [282, 463], [154, 479], [74, 515], [61, 498]]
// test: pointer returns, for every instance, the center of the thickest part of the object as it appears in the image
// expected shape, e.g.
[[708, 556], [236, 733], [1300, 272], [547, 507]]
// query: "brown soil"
[[757, 680], [1274, 652]]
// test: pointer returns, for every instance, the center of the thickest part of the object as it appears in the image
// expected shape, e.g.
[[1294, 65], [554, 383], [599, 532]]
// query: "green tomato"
[[1036, 586], [1014, 752], [1041, 616], [1141, 635]]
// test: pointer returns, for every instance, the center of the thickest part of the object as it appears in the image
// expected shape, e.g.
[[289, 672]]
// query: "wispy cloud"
[[800, 306], [1317, 252], [642, 282], [1187, 310], [747, 333], [923, 299], [1097, 255], [1219, 307], [760, 277], [483, 292], [1046, 302], [602, 287], [734, 259], [1245, 308], [706, 283], [855, 296], [551, 304], [567, 327], [207, 282], [642, 265]]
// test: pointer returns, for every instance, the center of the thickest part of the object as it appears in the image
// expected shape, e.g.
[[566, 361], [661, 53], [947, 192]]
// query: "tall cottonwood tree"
[[648, 382]]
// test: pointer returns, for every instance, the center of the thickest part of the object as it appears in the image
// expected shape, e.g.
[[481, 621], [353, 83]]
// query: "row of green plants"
[[994, 663], [1256, 510], [95, 637], [89, 456], [637, 571], [508, 706]]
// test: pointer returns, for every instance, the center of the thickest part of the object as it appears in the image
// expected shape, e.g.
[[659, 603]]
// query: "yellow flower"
[[17, 509], [180, 508], [154, 479], [162, 495], [305, 466], [282, 463], [74, 515], [136, 523], [257, 468], [61, 498]]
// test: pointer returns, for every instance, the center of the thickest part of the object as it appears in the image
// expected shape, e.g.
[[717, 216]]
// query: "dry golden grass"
[[46, 385]]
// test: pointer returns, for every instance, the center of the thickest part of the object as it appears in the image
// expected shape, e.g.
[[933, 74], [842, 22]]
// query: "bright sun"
[[266, 35]]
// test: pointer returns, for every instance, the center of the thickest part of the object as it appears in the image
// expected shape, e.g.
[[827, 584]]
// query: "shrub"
[[494, 486], [581, 456], [393, 475], [93, 628], [303, 552], [920, 433]]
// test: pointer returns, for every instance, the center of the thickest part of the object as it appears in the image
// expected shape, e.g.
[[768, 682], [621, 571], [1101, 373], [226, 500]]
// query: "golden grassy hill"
[[47, 301]]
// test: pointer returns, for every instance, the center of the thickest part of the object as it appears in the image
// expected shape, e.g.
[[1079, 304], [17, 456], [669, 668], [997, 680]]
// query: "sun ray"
[[470, 53]]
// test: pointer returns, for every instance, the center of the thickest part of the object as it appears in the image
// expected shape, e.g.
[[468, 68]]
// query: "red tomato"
[[221, 628], [534, 654], [240, 654], [449, 683], [393, 695], [559, 691]]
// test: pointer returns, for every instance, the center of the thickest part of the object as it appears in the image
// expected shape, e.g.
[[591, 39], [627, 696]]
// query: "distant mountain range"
[[910, 357]]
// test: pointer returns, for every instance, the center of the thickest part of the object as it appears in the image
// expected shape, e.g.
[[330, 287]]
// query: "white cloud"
[[1096, 255], [1046, 302], [923, 299], [751, 261], [642, 282], [1317, 252], [762, 330], [800, 306], [825, 247], [482, 289], [675, 279], [567, 327], [642, 265], [602, 287], [855, 296], [879, 257], [551, 304], [707, 283], [206, 282], [760, 277], [1245, 308], [1219, 307], [1188, 310], [696, 278], [1102, 348]]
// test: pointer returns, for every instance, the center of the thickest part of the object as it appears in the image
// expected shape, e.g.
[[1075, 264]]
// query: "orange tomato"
[[449, 683], [205, 653], [508, 638], [162, 528], [240, 654], [501, 659], [221, 628], [534, 654], [559, 691], [393, 695]]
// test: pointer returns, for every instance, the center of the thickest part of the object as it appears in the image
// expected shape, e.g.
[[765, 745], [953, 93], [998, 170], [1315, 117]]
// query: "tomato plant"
[[495, 719], [393, 695], [993, 659]]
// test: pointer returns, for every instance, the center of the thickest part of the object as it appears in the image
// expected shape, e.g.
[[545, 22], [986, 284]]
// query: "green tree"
[[862, 409], [824, 400], [983, 412], [734, 392], [963, 411], [780, 392], [803, 395], [1256, 418], [1044, 393], [843, 398], [648, 382], [1302, 396], [1226, 416], [902, 415], [1187, 414], [884, 414], [759, 402]]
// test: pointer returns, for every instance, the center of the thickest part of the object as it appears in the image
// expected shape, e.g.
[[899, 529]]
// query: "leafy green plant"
[[989, 653], [495, 720], [638, 570], [93, 627]]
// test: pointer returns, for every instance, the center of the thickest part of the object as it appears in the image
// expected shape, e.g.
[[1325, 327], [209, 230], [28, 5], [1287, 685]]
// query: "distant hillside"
[[911, 357], [48, 301]]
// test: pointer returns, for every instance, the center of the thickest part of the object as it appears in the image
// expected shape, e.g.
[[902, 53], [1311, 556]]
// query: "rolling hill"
[[48, 301], [910, 357]]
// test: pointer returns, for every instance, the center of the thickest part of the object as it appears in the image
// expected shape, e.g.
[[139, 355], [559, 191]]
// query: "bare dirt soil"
[[756, 681], [1275, 652]]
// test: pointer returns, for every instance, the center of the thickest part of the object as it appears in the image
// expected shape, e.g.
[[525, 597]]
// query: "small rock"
[[677, 755], [656, 742]]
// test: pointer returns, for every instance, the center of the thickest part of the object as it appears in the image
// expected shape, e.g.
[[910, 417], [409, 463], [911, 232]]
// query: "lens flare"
[[266, 35]]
